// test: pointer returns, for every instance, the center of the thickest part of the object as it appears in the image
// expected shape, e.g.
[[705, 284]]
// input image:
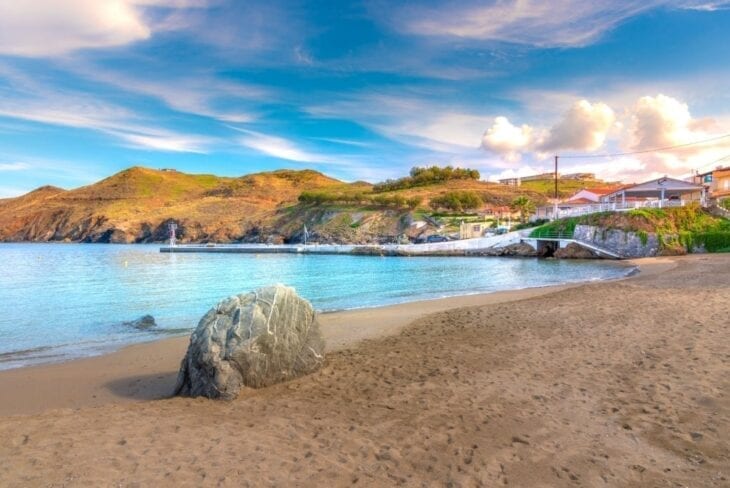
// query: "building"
[[720, 189], [511, 181], [591, 195], [543, 176], [580, 200], [540, 177], [470, 230], [579, 176], [661, 192], [716, 182]]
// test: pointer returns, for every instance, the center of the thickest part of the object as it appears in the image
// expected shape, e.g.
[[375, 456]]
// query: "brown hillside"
[[136, 205]]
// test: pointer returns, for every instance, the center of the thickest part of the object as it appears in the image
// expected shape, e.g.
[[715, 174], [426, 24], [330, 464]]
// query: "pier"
[[464, 247], [449, 248]]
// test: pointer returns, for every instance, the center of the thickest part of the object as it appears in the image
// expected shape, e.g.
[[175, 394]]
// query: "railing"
[[564, 235], [550, 234], [614, 207]]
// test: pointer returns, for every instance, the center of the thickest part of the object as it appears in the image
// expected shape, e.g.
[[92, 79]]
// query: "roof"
[[580, 200], [602, 191], [653, 188]]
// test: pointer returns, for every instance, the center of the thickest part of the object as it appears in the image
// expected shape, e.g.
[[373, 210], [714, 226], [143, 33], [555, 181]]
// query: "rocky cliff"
[[136, 205]]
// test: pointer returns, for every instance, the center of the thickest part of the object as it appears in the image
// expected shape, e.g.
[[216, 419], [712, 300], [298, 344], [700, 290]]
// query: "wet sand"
[[621, 383]]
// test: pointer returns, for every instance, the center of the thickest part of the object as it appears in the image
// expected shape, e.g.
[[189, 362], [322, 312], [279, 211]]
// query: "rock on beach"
[[143, 323], [253, 339]]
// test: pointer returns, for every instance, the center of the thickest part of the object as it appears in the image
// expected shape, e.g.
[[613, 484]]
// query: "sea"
[[65, 301]]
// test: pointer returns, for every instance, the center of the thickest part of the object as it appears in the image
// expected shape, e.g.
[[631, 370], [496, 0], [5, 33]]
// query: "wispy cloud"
[[198, 93], [11, 191], [17, 166], [706, 6], [279, 147], [560, 23], [30, 100]]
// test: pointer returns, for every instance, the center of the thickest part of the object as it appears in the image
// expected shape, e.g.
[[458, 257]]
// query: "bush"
[[713, 241], [414, 202], [725, 204], [427, 176], [456, 201]]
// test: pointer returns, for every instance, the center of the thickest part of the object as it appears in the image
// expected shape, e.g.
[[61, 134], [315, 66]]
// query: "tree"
[[456, 201], [524, 206]]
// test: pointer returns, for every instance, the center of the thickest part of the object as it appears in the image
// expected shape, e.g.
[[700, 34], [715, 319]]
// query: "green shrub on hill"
[[427, 176], [457, 201], [328, 198]]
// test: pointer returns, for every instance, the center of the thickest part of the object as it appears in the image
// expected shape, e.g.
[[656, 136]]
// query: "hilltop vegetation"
[[427, 176], [135, 205], [566, 186]]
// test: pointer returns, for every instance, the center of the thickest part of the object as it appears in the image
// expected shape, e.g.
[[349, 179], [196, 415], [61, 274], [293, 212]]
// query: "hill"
[[136, 205], [566, 186]]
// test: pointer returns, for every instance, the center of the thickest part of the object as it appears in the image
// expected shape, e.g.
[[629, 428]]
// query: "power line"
[[727, 156], [667, 148]]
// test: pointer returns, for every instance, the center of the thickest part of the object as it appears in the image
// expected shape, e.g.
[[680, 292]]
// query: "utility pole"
[[556, 177]]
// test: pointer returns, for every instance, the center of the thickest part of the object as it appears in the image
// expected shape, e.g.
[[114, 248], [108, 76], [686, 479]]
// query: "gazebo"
[[661, 192]]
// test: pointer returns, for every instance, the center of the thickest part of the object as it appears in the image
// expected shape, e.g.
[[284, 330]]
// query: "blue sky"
[[359, 90]]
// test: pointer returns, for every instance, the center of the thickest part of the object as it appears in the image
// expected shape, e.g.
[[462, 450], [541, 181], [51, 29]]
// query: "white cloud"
[[18, 166], [40, 28], [651, 123], [12, 191], [412, 120], [31, 101], [532, 22], [661, 121], [279, 147], [200, 93], [707, 6], [508, 140], [584, 127], [165, 141]]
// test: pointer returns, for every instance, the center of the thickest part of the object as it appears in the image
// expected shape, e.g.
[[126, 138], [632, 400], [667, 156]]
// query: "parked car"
[[436, 238]]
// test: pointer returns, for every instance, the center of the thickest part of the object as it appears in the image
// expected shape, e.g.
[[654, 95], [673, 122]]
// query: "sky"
[[361, 90]]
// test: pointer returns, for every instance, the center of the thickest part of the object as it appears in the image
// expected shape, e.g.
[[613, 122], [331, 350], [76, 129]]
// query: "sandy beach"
[[620, 383]]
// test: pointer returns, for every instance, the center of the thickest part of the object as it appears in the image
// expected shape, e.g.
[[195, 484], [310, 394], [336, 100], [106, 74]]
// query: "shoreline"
[[611, 383], [63, 353], [147, 370]]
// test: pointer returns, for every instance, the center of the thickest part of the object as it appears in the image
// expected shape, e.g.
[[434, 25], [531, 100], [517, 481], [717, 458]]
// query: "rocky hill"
[[136, 205]]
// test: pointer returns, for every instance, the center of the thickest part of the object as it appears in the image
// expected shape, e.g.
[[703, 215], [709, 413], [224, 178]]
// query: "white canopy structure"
[[664, 191]]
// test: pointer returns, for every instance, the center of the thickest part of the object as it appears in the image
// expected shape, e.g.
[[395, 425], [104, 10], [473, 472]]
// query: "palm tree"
[[524, 206]]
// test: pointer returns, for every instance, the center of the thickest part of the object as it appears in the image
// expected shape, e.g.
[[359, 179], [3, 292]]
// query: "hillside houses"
[[716, 182], [658, 193]]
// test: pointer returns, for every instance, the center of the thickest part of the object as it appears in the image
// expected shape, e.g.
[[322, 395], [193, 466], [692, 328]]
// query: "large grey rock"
[[254, 339]]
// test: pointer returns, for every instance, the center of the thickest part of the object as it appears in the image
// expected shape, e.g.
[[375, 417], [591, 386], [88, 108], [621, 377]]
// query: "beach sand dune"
[[619, 383]]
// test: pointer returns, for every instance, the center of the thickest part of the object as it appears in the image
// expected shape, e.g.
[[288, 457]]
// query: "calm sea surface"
[[59, 301]]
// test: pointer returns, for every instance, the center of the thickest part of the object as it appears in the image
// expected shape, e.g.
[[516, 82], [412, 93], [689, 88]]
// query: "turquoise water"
[[60, 301]]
